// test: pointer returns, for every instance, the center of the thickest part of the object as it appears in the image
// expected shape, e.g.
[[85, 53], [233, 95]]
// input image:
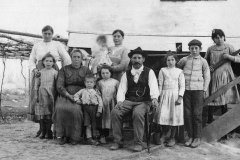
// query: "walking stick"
[[147, 130], [150, 127]]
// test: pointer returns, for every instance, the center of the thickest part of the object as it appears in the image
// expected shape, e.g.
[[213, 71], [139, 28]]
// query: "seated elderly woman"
[[68, 117]]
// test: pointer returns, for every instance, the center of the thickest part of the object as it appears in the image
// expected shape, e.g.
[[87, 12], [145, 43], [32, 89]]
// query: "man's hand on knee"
[[119, 105]]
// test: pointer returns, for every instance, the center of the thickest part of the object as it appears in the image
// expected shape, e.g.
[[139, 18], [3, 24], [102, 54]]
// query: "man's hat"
[[195, 42], [137, 51]]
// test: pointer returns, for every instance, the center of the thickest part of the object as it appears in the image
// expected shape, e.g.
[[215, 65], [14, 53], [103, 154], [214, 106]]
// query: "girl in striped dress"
[[46, 95], [222, 75]]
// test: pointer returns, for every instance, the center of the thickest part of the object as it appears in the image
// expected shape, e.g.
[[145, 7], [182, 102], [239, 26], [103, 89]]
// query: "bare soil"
[[17, 141]]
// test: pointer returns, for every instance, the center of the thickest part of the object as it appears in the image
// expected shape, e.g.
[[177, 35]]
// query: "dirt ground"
[[17, 141]]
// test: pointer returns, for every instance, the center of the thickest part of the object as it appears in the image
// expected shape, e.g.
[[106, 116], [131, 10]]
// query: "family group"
[[88, 102]]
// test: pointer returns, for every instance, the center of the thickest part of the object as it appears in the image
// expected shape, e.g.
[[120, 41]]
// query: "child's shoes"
[[161, 140], [103, 140], [38, 133], [196, 142], [43, 129], [189, 142], [92, 142], [171, 142], [74, 142], [49, 133], [62, 140]]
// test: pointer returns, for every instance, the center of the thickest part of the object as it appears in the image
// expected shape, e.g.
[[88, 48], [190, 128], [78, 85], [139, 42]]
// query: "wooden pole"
[[30, 35], [14, 39], [4, 67]]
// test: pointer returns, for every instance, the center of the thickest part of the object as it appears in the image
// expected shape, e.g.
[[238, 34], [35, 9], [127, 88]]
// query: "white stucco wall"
[[13, 78], [156, 20]]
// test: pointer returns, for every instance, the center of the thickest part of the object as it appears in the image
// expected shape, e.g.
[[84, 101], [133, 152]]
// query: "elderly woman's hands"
[[70, 97]]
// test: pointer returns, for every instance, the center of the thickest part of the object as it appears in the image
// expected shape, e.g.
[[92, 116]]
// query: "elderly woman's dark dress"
[[68, 117]]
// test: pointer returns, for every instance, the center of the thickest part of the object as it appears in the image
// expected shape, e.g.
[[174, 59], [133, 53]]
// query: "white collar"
[[140, 69]]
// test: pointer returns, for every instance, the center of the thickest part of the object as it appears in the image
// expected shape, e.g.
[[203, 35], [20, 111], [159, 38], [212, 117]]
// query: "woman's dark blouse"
[[71, 79]]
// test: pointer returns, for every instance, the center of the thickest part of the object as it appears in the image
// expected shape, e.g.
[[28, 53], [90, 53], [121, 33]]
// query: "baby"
[[101, 54]]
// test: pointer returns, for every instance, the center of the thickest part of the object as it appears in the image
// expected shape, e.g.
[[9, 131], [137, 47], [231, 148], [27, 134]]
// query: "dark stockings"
[[173, 131], [39, 131], [46, 125]]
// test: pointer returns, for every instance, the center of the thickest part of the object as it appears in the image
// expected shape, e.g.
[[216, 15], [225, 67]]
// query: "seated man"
[[138, 87]]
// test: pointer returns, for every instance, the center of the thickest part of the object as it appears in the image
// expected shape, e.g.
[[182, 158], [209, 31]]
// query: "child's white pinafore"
[[171, 85]]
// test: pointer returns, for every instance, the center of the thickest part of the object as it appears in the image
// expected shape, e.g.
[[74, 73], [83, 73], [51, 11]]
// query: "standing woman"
[[118, 55], [35, 65], [68, 117], [222, 75]]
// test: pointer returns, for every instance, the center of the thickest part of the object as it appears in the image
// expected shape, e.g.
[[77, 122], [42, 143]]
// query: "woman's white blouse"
[[54, 47]]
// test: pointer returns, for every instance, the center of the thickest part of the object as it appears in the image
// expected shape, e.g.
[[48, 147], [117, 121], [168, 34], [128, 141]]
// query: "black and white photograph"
[[119, 80]]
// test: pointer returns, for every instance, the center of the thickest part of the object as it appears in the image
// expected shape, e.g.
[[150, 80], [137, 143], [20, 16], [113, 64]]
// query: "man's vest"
[[140, 91]]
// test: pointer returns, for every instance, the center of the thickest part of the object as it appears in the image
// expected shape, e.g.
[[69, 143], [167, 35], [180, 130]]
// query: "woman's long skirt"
[[68, 119]]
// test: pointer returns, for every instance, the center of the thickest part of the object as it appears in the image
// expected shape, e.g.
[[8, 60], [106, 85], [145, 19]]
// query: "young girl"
[[108, 87], [169, 113], [222, 75], [100, 55], [46, 95]]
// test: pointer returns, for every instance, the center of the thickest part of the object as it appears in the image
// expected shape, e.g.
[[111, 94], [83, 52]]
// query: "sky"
[[32, 15]]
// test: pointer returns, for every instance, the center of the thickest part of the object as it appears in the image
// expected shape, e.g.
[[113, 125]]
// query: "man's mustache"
[[136, 63]]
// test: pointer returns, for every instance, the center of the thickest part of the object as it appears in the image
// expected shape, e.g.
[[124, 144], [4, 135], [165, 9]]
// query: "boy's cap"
[[195, 42], [137, 51]]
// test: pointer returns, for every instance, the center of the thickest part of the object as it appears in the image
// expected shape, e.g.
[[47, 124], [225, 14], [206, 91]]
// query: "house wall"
[[153, 24], [13, 78]]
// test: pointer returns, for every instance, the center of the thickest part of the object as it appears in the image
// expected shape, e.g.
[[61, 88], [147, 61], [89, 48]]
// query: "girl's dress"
[[108, 89], [47, 91], [35, 61], [171, 85], [223, 75]]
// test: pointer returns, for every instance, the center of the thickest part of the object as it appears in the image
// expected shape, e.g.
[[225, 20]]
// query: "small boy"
[[92, 104], [197, 78]]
